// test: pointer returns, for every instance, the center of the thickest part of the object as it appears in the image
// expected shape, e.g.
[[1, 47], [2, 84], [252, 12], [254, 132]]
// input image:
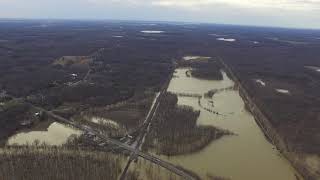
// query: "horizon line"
[[158, 21]]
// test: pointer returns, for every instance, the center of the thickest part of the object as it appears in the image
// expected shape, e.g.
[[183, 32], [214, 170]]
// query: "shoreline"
[[270, 133]]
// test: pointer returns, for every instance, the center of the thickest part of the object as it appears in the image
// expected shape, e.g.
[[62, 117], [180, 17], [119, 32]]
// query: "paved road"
[[143, 133], [141, 138], [107, 139], [135, 151]]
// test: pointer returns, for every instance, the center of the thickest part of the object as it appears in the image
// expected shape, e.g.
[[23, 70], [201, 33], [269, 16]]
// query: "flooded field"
[[56, 134], [283, 91], [117, 36], [226, 39], [105, 122], [246, 155], [188, 58], [261, 82], [152, 32], [315, 68]]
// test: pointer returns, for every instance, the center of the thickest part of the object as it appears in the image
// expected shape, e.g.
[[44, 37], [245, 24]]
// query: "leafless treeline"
[[46, 163], [175, 129]]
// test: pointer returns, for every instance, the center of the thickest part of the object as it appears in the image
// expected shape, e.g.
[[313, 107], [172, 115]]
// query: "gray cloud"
[[192, 4], [291, 13]]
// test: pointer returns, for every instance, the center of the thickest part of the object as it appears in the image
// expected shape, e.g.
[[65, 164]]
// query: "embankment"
[[270, 132]]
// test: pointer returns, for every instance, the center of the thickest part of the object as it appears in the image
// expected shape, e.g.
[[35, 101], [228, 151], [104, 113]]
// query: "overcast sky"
[[284, 13]]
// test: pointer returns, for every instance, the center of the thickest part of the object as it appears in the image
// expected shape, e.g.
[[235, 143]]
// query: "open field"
[[126, 116]]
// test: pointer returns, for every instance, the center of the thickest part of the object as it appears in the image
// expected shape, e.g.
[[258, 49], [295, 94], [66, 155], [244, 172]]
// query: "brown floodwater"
[[245, 156], [56, 134], [149, 171]]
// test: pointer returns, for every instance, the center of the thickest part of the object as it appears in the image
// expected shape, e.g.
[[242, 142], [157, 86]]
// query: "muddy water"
[[245, 156], [56, 134], [149, 171]]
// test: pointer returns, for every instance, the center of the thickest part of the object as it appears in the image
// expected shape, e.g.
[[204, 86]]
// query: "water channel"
[[244, 156]]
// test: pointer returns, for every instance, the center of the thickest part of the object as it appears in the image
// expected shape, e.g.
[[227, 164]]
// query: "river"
[[248, 155]]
